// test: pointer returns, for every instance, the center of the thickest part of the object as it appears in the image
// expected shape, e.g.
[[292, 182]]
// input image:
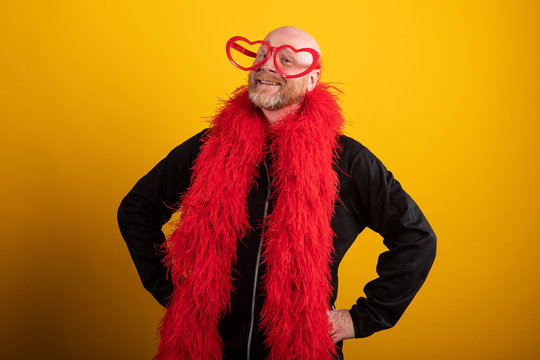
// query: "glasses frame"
[[232, 43]]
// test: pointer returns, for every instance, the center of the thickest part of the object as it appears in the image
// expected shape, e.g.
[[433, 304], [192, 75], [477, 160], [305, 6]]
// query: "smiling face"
[[268, 89]]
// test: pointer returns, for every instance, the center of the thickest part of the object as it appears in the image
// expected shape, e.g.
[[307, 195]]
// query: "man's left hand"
[[342, 325]]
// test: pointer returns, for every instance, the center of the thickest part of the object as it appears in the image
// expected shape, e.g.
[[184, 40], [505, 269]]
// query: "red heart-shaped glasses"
[[287, 63]]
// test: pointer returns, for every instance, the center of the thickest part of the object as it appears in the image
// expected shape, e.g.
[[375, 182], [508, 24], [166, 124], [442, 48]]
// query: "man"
[[271, 196]]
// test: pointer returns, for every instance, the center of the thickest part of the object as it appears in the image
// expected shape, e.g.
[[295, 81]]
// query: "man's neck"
[[273, 116]]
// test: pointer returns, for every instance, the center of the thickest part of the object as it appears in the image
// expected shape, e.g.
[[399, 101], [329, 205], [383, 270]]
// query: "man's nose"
[[269, 63]]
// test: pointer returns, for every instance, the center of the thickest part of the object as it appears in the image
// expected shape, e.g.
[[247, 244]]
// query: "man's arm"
[[386, 208], [147, 207]]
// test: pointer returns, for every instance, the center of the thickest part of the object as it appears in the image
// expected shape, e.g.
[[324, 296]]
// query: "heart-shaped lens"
[[293, 62], [246, 54]]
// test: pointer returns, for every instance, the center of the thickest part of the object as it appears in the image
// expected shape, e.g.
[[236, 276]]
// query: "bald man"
[[270, 198]]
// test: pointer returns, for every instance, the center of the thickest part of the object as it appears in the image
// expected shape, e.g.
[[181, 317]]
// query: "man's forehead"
[[291, 36]]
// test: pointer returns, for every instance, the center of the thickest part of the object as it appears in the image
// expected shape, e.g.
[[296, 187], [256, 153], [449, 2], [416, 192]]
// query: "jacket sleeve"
[[386, 208], [147, 207]]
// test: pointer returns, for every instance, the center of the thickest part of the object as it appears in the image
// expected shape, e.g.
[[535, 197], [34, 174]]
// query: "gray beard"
[[267, 102]]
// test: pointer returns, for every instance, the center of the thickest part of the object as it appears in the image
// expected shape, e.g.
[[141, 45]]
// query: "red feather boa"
[[298, 238]]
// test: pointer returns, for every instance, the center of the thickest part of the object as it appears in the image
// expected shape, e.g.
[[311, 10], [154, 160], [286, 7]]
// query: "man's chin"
[[266, 101], [271, 107]]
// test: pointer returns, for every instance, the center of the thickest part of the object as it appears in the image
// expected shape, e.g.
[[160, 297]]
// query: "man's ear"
[[314, 77]]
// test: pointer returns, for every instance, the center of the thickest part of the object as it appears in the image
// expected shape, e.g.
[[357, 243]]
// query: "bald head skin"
[[268, 89], [294, 36]]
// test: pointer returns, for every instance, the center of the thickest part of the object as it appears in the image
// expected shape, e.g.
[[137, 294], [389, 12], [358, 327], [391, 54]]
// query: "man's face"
[[268, 89]]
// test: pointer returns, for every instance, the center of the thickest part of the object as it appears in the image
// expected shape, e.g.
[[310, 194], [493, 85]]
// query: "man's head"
[[268, 89]]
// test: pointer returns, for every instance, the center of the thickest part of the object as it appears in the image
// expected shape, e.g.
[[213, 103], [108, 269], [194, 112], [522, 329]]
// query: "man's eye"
[[261, 55], [286, 61]]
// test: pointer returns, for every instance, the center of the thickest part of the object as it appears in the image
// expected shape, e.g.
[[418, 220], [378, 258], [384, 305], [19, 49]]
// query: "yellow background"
[[94, 93]]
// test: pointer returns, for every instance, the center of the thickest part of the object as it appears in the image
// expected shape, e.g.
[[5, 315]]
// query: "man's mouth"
[[266, 82]]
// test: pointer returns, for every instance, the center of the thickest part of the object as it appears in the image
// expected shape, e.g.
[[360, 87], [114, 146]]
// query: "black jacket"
[[369, 196]]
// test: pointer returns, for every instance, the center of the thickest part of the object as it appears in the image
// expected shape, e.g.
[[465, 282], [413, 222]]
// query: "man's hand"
[[342, 325]]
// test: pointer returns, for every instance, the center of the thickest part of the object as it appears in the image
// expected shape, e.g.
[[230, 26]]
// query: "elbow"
[[427, 245], [122, 214], [427, 253], [432, 247]]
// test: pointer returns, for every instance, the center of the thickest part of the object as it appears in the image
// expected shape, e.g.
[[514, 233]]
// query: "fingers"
[[337, 321], [334, 332], [335, 337]]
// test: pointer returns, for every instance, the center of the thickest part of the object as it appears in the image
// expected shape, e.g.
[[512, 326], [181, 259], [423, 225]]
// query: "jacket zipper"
[[254, 297]]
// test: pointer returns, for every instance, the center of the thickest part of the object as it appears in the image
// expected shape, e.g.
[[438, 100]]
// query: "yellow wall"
[[94, 93]]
